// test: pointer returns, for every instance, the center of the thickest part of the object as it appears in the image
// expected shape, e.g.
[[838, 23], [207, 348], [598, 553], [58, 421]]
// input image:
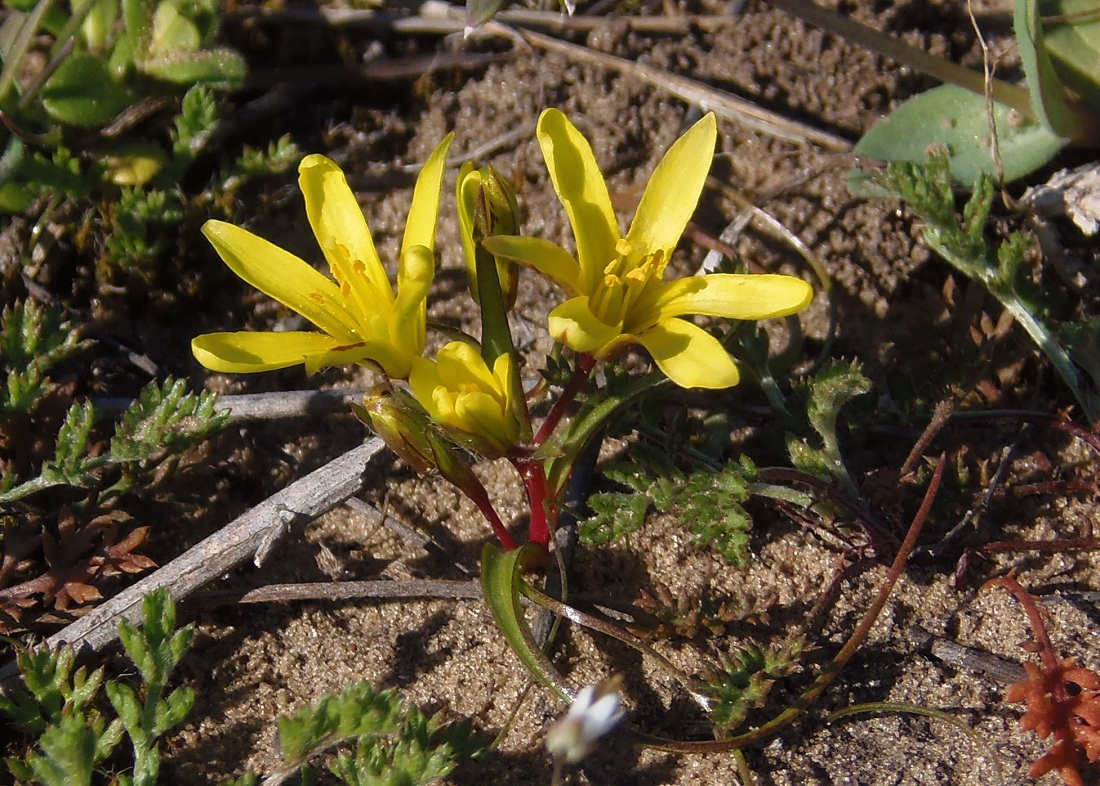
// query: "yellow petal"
[[481, 414], [689, 356], [583, 193], [393, 360], [573, 324], [414, 279], [242, 353], [337, 219], [734, 296], [420, 226], [282, 276], [460, 365], [673, 191], [551, 260], [424, 379], [466, 193]]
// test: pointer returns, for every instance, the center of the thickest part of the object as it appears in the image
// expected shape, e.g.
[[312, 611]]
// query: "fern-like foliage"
[[33, 339], [709, 501], [395, 745], [424, 750], [155, 429], [143, 221], [743, 682], [62, 709], [960, 239], [825, 394], [163, 422]]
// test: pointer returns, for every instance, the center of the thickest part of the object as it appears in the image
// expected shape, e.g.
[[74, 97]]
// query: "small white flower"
[[593, 713]]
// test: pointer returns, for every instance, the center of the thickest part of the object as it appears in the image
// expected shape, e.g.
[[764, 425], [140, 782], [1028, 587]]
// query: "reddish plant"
[[1063, 700]]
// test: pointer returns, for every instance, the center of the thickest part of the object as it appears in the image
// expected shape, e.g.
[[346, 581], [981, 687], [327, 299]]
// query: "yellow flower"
[[461, 392], [359, 314], [618, 295]]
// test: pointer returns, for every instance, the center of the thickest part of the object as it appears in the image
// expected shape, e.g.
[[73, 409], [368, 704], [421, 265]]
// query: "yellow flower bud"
[[486, 207], [473, 403]]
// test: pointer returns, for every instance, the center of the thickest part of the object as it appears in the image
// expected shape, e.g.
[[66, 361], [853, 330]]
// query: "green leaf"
[[70, 465], [829, 391], [355, 712], [82, 92], [219, 66], [1074, 45], [745, 679], [710, 503], [1048, 96], [137, 16], [500, 584], [69, 750], [422, 751], [164, 419], [614, 516], [956, 119], [172, 31]]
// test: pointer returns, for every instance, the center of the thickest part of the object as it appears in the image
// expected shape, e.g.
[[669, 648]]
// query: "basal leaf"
[[82, 92], [954, 118], [1073, 43]]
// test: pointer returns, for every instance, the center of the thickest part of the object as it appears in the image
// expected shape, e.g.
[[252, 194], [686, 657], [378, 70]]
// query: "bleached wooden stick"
[[250, 535]]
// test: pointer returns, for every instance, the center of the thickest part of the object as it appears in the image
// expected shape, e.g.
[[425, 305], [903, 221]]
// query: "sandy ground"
[[897, 316]]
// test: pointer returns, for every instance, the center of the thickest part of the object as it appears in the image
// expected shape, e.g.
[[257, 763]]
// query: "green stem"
[[1038, 332]]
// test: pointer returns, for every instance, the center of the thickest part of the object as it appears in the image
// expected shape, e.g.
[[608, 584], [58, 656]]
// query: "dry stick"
[[266, 406], [438, 18], [249, 535], [724, 105], [378, 589]]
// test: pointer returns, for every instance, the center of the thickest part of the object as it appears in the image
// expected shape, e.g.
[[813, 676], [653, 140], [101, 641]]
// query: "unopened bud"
[[401, 423], [486, 207]]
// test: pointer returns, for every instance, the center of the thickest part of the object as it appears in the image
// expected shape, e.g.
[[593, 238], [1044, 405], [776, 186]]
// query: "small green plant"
[[68, 471], [826, 393], [393, 744], [161, 424], [32, 341], [744, 680], [708, 501], [72, 732], [960, 238]]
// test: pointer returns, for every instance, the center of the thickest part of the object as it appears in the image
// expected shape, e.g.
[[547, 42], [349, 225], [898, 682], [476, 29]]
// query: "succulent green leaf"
[[955, 118], [1048, 96], [223, 66], [500, 584], [1074, 45], [83, 92]]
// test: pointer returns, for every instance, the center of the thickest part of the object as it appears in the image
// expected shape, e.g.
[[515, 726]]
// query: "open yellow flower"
[[618, 295], [360, 315], [461, 392]]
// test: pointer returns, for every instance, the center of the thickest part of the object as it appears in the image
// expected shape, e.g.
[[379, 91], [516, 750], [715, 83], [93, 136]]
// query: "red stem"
[[534, 480], [1035, 617], [480, 497], [585, 363]]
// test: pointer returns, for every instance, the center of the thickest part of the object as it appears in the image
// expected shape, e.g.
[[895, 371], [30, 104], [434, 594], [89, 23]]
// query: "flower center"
[[625, 279]]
